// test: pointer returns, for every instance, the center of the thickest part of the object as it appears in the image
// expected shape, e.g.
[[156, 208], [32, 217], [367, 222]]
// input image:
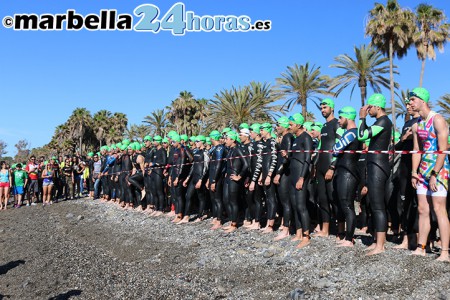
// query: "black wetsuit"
[[178, 171], [149, 199], [116, 170], [197, 173], [267, 166], [347, 179], [328, 137], [246, 151], [254, 198], [159, 161], [378, 168], [216, 166], [299, 163], [127, 166], [237, 165], [407, 208], [284, 171], [137, 181]]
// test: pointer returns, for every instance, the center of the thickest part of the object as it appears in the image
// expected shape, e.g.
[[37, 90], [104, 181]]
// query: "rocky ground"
[[89, 250]]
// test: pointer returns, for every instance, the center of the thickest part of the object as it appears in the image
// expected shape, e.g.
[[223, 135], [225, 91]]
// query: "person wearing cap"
[[184, 144], [77, 169], [116, 170], [148, 157], [215, 178], [255, 191], [136, 178], [430, 171], [126, 166], [90, 167], [96, 167], [246, 147], [378, 166], [157, 165], [178, 173], [325, 166], [236, 169], [195, 181], [266, 172], [347, 174], [283, 172], [299, 163], [67, 178], [408, 196]]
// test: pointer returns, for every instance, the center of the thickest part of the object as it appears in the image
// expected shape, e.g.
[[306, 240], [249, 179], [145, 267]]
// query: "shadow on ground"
[[11, 265], [67, 295]]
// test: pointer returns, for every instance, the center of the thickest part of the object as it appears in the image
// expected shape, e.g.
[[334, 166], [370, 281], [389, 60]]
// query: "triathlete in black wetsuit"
[[246, 148], [267, 172], [195, 182], [215, 177], [137, 178], [347, 173], [148, 156], [127, 168], [377, 164], [236, 169], [408, 197], [299, 163], [176, 177], [329, 134], [283, 172], [159, 161]]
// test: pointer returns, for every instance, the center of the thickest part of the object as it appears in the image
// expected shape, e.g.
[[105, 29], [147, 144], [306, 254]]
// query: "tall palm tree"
[[302, 83], [391, 29], [184, 113], [432, 33], [156, 122], [78, 121], [136, 132], [400, 107], [444, 103], [101, 123], [368, 67], [250, 104]]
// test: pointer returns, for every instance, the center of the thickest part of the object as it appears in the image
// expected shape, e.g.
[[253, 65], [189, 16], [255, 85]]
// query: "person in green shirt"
[[20, 178]]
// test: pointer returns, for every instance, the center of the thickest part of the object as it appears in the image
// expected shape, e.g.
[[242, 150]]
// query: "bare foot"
[[321, 234], [402, 246], [216, 226], [419, 252], [139, 208], [197, 220], [157, 213], [317, 229], [171, 213], [345, 243], [375, 251], [268, 229], [304, 243], [281, 236], [176, 220], [371, 247], [297, 238], [184, 220], [254, 226], [246, 223], [443, 257], [231, 229]]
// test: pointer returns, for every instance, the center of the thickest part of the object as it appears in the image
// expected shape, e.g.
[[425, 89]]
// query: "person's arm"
[[219, 164], [441, 129], [259, 160], [274, 157], [344, 141], [244, 163], [416, 157], [307, 145], [365, 132]]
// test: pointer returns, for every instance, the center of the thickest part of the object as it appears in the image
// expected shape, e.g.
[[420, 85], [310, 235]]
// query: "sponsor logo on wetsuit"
[[145, 18]]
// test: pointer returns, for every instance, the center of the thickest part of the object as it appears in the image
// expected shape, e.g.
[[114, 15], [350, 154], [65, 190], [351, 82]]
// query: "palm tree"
[[302, 83], [250, 104], [136, 132], [391, 29], [101, 123], [444, 103], [184, 113], [157, 122], [78, 121], [118, 126], [432, 32], [368, 67]]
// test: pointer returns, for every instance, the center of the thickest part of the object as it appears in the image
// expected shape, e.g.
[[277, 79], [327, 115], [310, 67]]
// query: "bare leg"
[[325, 232], [444, 226], [379, 245], [424, 223]]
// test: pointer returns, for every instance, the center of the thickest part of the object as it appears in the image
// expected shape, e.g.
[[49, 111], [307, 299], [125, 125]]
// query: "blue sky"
[[46, 75]]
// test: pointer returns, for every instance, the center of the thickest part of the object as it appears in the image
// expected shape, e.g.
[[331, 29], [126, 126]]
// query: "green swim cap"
[[215, 135], [421, 93], [377, 100], [126, 142], [200, 138], [273, 135], [232, 135], [244, 125], [90, 154], [267, 127], [148, 138], [225, 130], [347, 112], [119, 144], [157, 138], [283, 122], [176, 138], [318, 124], [256, 127], [137, 146], [13, 166], [448, 140], [297, 119], [328, 102], [165, 140], [184, 137], [192, 138], [208, 140], [123, 147], [307, 125]]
